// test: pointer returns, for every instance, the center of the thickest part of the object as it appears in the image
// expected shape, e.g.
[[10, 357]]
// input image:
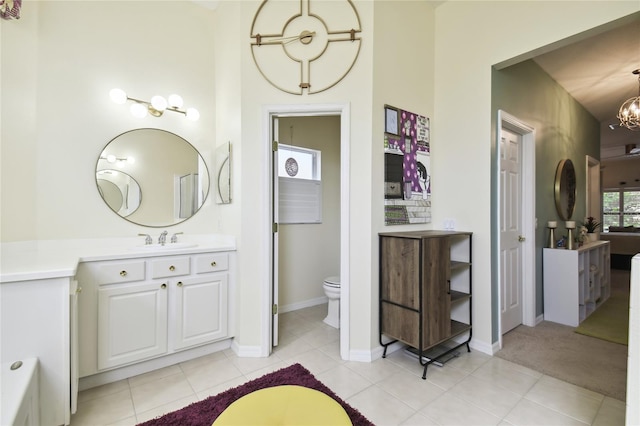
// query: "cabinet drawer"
[[170, 267], [120, 272], [212, 262]]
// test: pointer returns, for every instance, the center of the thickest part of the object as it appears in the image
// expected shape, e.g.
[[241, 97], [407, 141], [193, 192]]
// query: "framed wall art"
[[407, 167]]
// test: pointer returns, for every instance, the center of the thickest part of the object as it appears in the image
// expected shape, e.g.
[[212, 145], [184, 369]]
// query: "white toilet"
[[331, 287]]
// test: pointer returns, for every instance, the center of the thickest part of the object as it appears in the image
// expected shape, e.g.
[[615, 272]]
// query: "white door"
[[511, 247], [274, 215], [201, 310]]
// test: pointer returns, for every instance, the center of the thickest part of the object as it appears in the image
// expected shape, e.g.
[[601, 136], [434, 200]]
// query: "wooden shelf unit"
[[425, 291]]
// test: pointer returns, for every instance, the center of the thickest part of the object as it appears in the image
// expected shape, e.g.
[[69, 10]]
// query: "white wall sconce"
[[156, 107]]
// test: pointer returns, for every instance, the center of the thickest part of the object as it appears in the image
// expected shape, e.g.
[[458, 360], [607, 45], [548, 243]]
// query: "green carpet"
[[610, 321]]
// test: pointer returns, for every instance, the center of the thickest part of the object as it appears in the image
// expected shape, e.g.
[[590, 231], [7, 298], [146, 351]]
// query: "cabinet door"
[[132, 323], [436, 291], [200, 310]]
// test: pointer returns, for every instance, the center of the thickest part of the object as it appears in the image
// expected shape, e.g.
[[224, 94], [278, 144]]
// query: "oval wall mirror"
[[565, 189], [152, 177]]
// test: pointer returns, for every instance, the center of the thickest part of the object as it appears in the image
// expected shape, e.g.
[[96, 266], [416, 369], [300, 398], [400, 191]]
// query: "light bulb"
[[120, 164], [159, 103], [111, 158], [138, 110], [131, 160], [175, 101], [118, 96], [192, 114]]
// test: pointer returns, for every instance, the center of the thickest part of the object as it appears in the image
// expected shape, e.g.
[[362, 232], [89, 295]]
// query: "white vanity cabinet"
[[140, 309]]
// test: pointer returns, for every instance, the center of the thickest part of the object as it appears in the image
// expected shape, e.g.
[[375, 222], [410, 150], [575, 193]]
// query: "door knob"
[[521, 238]]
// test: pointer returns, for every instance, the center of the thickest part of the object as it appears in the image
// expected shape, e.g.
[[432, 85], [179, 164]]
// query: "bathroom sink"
[[167, 246]]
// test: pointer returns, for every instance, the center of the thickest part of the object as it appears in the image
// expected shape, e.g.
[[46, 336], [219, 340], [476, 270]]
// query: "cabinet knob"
[[163, 286], [179, 284], [521, 238], [172, 268], [123, 273], [213, 263]]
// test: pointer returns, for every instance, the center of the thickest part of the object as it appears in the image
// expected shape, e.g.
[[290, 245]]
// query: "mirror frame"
[[565, 189], [203, 191]]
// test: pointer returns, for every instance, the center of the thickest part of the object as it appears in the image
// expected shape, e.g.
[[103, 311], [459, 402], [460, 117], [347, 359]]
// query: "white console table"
[[576, 282]]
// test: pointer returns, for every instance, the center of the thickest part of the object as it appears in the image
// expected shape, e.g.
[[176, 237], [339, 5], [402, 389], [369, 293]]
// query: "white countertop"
[[45, 259]]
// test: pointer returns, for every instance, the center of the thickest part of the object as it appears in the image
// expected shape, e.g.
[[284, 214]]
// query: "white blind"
[[300, 201]]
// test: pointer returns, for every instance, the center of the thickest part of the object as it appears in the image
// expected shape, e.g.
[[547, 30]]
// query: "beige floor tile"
[[292, 348], [215, 390], [381, 408], [154, 375], [344, 382], [374, 371], [316, 362], [166, 408], [502, 373], [469, 361], [211, 374], [611, 413], [104, 390], [412, 390], [154, 394], [203, 361], [129, 421], [527, 413], [419, 420], [483, 394], [105, 410], [321, 336], [571, 400], [451, 410]]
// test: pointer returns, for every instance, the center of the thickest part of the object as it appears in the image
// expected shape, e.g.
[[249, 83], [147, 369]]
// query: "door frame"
[[342, 110], [528, 220], [593, 195]]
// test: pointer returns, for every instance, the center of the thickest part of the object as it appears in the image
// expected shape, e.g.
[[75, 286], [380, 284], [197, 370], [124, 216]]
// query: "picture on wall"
[[407, 167]]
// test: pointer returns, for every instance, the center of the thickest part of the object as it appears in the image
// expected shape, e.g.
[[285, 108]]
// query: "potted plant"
[[592, 226]]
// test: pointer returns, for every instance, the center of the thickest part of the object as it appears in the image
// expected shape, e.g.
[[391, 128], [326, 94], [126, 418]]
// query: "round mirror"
[[152, 177], [120, 191], [565, 189]]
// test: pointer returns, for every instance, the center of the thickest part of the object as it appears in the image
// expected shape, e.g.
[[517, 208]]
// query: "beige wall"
[[308, 253], [621, 170], [57, 115], [471, 37]]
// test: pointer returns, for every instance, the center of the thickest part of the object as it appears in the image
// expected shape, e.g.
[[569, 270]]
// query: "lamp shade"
[[118, 96]]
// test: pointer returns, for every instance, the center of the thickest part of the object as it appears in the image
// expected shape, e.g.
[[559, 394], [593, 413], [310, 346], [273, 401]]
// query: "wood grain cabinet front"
[[425, 290]]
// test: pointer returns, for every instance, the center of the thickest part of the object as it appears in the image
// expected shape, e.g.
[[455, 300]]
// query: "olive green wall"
[[563, 129]]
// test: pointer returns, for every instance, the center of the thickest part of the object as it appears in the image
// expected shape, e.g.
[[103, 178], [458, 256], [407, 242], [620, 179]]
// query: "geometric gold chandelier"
[[629, 114], [156, 107]]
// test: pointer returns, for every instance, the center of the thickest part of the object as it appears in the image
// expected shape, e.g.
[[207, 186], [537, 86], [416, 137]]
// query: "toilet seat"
[[332, 282]]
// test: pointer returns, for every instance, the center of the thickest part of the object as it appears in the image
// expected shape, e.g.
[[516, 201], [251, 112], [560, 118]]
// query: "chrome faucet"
[[147, 239], [174, 237], [162, 239]]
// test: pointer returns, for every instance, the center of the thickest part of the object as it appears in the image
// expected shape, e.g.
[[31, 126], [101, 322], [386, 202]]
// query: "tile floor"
[[473, 389]]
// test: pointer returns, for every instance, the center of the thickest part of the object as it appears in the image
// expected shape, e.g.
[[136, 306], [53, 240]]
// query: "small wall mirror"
[[565, 189], [223, 173], [152, 177]]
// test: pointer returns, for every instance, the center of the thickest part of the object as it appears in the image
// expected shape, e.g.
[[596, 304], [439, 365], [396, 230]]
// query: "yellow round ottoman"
[[284, 405]]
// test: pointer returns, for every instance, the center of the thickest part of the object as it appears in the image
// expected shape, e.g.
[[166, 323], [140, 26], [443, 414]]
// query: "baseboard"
[[247, 351], [539, 319], [301, 305]]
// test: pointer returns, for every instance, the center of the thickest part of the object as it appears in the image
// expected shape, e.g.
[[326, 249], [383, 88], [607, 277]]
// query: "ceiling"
[[597, 72]]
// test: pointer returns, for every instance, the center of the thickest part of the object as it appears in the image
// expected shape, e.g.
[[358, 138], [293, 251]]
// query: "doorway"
[[272, 114], [516, 219]]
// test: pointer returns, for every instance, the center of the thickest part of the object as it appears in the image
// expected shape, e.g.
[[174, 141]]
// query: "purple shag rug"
[[203, 413]]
